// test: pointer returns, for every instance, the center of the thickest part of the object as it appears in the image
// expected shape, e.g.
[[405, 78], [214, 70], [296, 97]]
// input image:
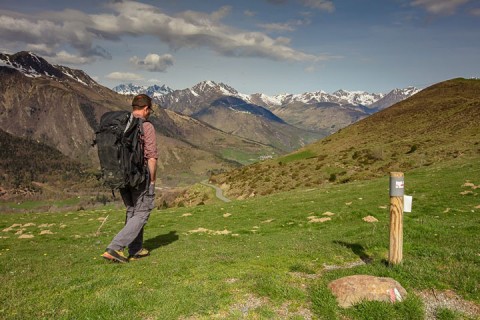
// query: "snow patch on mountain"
[[74, 77], [194, 93], [270, 100], [239, 111], [33, 66]]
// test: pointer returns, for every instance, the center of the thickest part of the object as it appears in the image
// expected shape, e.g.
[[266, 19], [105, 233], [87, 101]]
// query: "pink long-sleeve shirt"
[[149, 142]]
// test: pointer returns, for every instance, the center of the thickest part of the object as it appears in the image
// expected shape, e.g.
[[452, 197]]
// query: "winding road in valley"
[[218, 191]]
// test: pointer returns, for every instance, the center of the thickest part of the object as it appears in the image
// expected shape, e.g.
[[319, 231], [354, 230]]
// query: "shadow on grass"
[[161, 240], [356, 249]]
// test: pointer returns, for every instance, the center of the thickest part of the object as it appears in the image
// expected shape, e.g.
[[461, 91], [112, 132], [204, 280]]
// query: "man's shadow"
[[161, 240], [356, 249]]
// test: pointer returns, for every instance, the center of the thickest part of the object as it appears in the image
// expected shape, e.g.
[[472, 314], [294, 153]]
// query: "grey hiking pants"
[[139, 204]]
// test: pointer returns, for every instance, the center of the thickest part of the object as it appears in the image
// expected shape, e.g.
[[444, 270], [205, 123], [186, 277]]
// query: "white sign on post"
[[407, 203]]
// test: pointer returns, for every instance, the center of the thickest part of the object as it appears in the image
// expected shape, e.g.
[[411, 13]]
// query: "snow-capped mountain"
[[394, 96], [158, 91], [195, 100], [34, 66], [129, 89], [30, 65], [357, 97], [208, 88], [224, 108], [320, 111], [316, 111], [340, 96], [154, 91]]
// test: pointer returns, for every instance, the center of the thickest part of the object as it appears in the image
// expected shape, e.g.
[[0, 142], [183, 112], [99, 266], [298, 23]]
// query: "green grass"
[[270, 266], [297, 156], [76, 202], [35, 204], [241, 156]]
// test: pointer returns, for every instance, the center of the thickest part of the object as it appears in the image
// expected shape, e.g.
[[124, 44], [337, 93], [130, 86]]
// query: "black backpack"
[[120, 150]]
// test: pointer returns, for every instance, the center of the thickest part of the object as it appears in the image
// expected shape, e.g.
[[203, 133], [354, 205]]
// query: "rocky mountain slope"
[[57, 106], [222, 107], [60, 107], [438, 124], [321, 111]]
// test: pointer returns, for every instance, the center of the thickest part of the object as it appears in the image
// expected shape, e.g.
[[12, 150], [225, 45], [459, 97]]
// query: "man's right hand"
[[151, 189]]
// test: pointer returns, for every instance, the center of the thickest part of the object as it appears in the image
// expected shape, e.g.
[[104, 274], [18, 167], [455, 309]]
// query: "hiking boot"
[[142, 253], [114, 255]]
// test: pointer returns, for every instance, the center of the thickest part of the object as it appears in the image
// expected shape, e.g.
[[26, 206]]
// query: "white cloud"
[[47, 33], [277, 27], [439, 7], [153, 62], [63, 57], [124, 76], [322, 5], [285, 27], [79, 33], [277, 1], [475, 12], [194, 29], [41, 48]]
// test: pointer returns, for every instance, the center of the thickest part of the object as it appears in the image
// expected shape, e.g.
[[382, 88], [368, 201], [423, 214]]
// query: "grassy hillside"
[[189, 149], [437, 124], [255, 259]]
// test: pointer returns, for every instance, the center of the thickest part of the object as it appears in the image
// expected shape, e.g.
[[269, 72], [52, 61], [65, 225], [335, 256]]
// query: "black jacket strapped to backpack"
[[120, 150]]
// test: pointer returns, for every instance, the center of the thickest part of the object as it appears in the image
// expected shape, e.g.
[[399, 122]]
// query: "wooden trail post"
[[396, 217]]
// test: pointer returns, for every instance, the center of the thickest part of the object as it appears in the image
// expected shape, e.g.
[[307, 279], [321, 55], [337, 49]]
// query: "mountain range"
[[200, 130], [222, 107], [318, 111], [217, 105], [373, 101]]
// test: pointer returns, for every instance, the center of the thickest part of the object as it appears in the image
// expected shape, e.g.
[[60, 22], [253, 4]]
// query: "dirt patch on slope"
[[435, 300]]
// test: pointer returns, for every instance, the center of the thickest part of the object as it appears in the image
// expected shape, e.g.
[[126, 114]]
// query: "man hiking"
[[140, 200]]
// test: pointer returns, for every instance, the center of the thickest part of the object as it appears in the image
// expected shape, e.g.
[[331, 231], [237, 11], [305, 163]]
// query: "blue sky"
[[267, 46]]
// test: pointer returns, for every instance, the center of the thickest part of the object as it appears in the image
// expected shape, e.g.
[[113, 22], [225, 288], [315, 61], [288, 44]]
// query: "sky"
[[255, 46]]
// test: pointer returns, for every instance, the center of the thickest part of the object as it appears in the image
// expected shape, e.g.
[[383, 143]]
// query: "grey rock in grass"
[[355, 289]]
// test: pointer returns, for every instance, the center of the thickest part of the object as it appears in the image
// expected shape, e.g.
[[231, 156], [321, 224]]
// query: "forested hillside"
[[22, 173]]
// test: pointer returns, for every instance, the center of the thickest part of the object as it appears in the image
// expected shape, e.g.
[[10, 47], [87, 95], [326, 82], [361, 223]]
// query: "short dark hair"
[[142, 100]]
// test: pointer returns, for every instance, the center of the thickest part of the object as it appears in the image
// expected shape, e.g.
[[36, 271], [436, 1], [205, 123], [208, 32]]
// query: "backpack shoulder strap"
[[129, 123]]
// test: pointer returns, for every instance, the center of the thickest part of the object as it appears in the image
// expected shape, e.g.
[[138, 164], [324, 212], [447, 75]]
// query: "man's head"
[[142, 105]]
